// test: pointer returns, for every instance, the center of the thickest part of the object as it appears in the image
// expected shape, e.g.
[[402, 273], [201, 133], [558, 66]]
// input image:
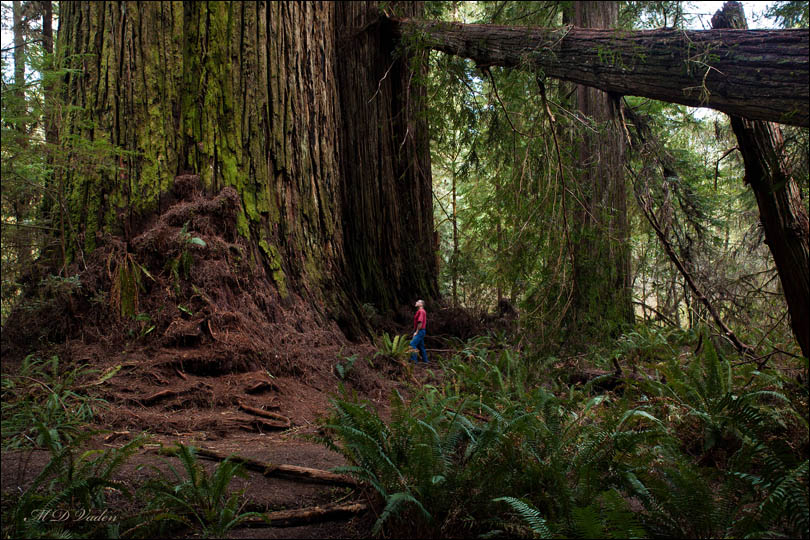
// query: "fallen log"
[[311, 514], [289, 472], [757, 74], [782, 212]]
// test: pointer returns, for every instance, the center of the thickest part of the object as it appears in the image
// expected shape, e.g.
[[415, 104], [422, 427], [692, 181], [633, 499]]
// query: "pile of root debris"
[[191, 319]]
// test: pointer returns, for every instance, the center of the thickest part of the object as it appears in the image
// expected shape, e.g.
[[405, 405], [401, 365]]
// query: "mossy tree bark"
[[601, 260], [334, 185], [757, 74]]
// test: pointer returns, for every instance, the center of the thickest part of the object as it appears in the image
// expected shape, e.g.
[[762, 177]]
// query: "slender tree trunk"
[[758, 74], [19, 116], [54, 203], [19, 109], [300, 107], [48, 87], [602, 300], [454, 268], [19, 43], [782, 212]]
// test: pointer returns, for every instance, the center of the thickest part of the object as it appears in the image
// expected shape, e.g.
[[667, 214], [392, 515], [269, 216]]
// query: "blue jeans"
[[418, 342]]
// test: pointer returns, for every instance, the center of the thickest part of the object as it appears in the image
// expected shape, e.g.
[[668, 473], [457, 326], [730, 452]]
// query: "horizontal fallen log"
[[757, 74], [305, 516], [288, 472]]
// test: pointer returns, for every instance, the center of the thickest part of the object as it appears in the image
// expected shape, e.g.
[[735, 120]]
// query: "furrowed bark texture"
[[386, 156], [758, 74], [602, 300], [248, 95], [782, 212]]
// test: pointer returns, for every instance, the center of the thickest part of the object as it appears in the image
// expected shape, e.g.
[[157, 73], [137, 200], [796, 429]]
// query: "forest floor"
[[222, 412], [150, 396], [207, 348]]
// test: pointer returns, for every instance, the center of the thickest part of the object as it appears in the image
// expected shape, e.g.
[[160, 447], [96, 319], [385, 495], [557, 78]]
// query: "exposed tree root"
[[260, 387], [259, 424], [160, 395]]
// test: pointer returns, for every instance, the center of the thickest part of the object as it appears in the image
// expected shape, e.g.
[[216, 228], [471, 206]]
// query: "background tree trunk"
[[274, 99], [601, 276], [782, 212], [759, 74]]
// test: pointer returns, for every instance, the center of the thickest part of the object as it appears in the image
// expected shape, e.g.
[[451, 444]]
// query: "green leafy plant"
[[188, 239], [196, 499], [397, 347], [126, 274], [180, 265], [71, 491], [529, 514], [48, 393], [342, 369], [435, 464]]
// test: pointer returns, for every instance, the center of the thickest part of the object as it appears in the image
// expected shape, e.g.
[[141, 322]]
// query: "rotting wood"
[[758, 74], [311, 514], [288, 472]]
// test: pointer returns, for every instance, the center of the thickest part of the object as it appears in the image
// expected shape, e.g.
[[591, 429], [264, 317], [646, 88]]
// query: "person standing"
[[419, 329]]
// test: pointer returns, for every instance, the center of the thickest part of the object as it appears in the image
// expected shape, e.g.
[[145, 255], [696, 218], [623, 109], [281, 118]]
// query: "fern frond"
[[530, 515], [392, 508]]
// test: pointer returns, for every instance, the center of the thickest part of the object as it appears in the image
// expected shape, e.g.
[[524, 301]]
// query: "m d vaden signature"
[[81, 514]]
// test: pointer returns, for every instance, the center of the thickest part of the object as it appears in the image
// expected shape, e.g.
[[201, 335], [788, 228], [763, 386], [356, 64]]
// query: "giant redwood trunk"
[[601, 259], [782, 212], [300, 107], [757, 74], [385, 161]]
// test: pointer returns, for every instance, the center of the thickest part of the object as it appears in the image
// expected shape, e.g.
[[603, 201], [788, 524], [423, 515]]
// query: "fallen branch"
[[265, 414], [289, 472], [663, 317], [646, 208], [261, 386], [252, 424], [311, 514]]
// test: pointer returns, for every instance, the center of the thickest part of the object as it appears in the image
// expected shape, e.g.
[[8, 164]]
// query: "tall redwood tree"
[[303, 108]]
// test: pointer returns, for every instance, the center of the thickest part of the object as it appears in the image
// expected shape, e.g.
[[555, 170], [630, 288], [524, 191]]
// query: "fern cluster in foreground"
[[697, 449]]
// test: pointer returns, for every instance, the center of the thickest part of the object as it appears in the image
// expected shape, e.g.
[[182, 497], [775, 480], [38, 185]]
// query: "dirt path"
[[261, 494]]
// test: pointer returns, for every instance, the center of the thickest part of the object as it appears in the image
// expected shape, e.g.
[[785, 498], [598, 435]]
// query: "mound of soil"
[[194, 319]]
